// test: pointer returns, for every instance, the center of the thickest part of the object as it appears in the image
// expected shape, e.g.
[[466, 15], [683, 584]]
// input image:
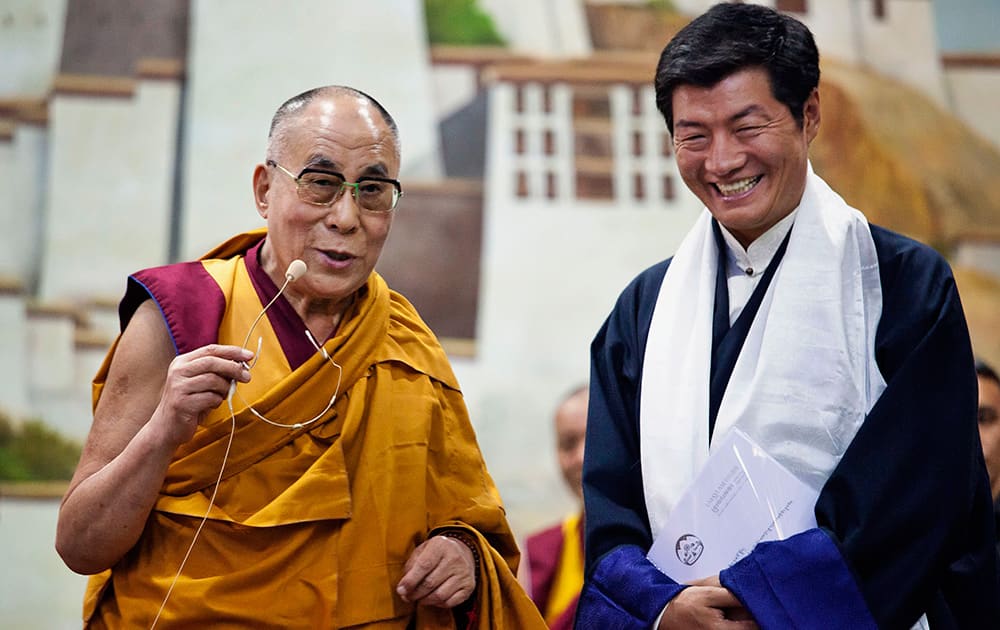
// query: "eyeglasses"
[[324, 188]]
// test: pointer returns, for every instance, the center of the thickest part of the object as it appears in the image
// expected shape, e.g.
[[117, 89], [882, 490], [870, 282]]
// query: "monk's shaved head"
[[289, 111]]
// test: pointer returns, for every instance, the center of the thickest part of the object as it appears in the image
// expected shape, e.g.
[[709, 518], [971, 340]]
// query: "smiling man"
[[278, 439], [838, 347]]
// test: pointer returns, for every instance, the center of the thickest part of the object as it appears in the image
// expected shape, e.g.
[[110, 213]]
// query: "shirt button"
[[749, 271]]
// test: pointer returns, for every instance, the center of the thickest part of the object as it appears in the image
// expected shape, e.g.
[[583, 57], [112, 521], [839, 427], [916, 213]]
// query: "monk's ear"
[[811, 115], [261, 189]]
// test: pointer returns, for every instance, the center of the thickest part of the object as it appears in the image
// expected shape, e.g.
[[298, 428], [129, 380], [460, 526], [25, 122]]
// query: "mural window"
[[636, 101], [522, 184], [638, 186], [549, 142], [668, 188]]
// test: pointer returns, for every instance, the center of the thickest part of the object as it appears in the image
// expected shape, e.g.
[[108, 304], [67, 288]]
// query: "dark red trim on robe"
[[285, 322], [543, 559], [544, 550], [192, 323]]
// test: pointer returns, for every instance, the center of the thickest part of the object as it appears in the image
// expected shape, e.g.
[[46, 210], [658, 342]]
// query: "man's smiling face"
[[741, 151]]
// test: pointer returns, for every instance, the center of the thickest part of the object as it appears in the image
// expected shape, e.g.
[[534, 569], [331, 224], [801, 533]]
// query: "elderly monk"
[[284, 444]]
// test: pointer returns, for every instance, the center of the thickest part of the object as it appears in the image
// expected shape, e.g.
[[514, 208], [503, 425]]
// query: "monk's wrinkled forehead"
[[335, 122]]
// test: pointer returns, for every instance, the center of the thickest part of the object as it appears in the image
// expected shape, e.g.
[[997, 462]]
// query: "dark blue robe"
[[905, 520]]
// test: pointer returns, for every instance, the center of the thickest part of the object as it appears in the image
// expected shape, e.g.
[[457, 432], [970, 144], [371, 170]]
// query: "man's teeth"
[[736, 188]]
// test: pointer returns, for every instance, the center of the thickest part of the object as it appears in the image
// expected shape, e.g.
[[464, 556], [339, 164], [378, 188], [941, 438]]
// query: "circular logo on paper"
[[689, 548]]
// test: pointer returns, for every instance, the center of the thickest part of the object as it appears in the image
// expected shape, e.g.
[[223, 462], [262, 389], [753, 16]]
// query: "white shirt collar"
[[753, 260]]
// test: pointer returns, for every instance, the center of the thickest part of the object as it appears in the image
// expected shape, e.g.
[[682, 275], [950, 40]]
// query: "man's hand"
[[152, 403], [196, 383], [707, 607], [440, 572]]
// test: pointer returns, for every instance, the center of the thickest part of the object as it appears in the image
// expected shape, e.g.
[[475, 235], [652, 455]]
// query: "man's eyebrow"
[[747, 111], [378, 169], [375, 170], [743, 113], [687, 124], [322, 162]]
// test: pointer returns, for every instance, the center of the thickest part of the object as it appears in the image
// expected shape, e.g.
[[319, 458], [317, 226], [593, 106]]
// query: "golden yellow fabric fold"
[[311, 527], [568, 580]]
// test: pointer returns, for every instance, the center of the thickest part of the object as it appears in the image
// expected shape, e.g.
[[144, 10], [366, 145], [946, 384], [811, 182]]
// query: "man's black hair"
[[732, 37], [983, 369]]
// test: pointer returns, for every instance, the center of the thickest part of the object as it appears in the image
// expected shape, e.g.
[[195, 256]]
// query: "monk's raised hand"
[[440, 572], [196, 383]]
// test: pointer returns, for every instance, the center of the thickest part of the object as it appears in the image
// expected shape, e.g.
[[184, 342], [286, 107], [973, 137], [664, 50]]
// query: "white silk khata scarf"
[[806, 376]]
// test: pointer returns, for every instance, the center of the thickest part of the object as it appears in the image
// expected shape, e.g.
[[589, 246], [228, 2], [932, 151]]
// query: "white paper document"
[[741, 497]]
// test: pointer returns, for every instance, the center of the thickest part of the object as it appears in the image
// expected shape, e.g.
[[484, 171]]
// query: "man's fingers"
[[414, 572], [718, 597], [449, 594], [430, 584], [711, 580], [230, 353], [433, 582], [437, 573], [187, 366], [462, 591], [441, 590], [228, 362]]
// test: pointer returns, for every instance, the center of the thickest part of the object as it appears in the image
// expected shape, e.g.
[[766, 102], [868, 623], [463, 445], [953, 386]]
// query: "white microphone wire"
[[211, 502], [293, 273]]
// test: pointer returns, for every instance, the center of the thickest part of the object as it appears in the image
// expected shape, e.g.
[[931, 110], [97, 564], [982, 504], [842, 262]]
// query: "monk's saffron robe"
[[311, 527]]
